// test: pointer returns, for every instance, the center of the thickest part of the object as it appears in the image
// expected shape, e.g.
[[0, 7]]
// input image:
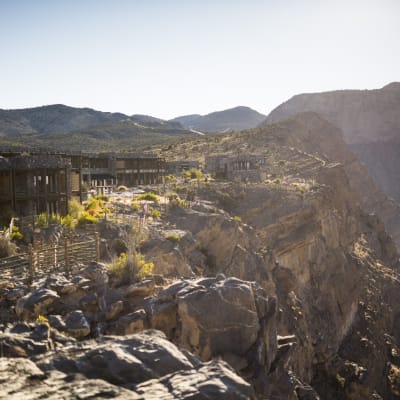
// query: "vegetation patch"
[[149, 196]]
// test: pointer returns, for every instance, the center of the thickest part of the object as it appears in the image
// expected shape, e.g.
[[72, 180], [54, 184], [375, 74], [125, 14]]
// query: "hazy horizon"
[[173, 58]]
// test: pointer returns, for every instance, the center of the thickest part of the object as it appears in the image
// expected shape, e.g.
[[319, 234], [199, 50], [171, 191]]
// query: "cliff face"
[[312, 133], [331, 266], [370, 122]]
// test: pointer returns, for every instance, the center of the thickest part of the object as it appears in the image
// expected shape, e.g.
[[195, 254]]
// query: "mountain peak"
[[232, 119], [392, 86]]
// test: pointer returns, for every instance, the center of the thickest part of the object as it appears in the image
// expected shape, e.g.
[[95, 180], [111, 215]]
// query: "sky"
[[167, 58]]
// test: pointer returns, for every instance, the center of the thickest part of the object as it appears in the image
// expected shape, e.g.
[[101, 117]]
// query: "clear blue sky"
[[173, 57]]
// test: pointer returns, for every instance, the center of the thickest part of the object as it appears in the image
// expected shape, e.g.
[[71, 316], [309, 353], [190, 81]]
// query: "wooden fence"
[[41, 260]]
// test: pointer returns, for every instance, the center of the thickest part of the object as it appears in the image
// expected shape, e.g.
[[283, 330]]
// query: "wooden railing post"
[[54, 248], [97, 238], [66, 260], [31, 267]]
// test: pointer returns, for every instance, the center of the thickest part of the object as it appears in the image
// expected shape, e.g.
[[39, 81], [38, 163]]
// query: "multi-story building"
[[32, 184], [244, 167], [44, 181]]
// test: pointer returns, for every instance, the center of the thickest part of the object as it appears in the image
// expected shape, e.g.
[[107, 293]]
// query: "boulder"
[[114, 310], [119, 360], [76, 324], [132, 323], [141, 289], [232, 326], [168, 257], [35, 303], [163, 317], [214, 380], [96, 272], [147, 365], [23, 340], [21, 378]]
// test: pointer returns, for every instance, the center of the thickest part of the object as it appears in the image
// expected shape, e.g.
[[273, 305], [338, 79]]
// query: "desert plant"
[[75, 208], [41, 319], [136, 207], [148, 196], [102, 197], [86, 219], [117, 268], [68, 222], [155, 213], [130, 267], [192, 174], [173, 237], [54, 219], [41, 220], [141, 267], [16, 234]]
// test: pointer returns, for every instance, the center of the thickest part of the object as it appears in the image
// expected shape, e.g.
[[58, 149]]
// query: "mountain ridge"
[[232, 119], [369, 121]]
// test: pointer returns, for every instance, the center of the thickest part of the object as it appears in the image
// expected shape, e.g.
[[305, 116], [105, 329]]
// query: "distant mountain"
[[370, 122], [62, 127], [53, 118], [234, 119]]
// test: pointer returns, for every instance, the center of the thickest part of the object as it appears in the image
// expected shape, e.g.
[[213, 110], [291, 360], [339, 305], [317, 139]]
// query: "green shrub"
[[155, 213], [174, 238], [143, 268], [75, 208], [136, 207], [193, 173], [237, 218], [340, 380], [148, 196], [41, 220], [127, 267], [68, 222], [41, 319], [16, 234], [102, 197], [117, 269], [54, 219], [87, 219], [170, 178]]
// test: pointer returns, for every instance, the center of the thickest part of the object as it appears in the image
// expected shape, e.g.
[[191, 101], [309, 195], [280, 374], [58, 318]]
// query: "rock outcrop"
[[142, 366]]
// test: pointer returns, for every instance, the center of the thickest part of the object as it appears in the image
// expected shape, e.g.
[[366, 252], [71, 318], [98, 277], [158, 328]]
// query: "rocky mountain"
[[53, 118], [234, 119], [370, 122], [59, 126], [287, 289], [306, 217]]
